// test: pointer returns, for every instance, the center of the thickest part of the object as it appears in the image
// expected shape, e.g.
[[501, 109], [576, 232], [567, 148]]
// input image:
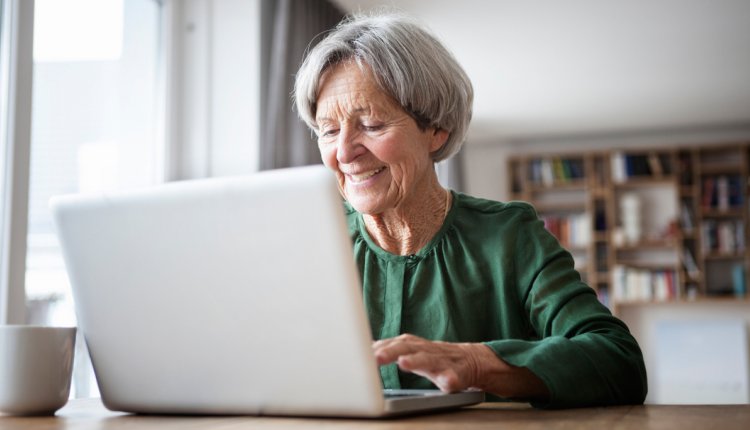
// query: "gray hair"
[[406, 61]]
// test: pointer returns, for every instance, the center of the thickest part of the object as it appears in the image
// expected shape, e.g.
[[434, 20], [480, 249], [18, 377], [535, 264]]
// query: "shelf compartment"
[[715, 256], [560, 207], [730, 213]]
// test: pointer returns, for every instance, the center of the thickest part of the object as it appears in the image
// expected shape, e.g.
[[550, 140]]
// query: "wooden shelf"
[[688, 174], [718, 256], [721, 169], [697, 301], [716, 213], [573, 184], [560, 207], [599, 192], [576, 248], [688, 235], [600, 278], [687, 190], [640, 181]]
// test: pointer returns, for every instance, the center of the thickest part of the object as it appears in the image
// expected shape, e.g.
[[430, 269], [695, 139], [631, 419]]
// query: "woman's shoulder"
[[485, 207], [352, 218]]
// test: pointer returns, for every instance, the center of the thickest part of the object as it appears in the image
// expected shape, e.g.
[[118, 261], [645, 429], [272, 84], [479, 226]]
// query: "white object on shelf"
[[630, 207]]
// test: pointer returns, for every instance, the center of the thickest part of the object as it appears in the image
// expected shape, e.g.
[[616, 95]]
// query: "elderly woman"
[[461, 292]]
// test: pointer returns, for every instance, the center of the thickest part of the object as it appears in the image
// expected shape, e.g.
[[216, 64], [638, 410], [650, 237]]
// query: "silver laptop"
[[227, 296]]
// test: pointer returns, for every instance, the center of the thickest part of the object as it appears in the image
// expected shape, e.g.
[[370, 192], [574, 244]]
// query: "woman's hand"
[[450, 366], [459, 366]]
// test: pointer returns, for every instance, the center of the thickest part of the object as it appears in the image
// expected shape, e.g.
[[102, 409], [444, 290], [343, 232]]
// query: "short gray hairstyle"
[[406, 61]]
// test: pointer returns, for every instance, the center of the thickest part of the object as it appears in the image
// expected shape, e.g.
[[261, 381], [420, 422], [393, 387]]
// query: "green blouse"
[[493, 274]]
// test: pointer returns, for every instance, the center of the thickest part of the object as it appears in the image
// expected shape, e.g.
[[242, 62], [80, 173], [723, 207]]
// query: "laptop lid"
[[229, 295]]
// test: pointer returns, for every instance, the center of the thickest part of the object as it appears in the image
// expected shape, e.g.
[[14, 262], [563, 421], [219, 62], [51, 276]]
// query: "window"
[[95, 123]]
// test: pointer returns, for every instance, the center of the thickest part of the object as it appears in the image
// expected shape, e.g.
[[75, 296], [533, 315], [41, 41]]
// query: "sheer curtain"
[[288, 28]]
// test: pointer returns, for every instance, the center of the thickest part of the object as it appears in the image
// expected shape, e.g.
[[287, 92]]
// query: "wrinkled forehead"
[[351, 69], [351, 84]]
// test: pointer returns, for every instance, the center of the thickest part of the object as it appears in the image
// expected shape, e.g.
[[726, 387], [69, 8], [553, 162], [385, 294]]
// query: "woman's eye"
[[372, 127], [329, 133]]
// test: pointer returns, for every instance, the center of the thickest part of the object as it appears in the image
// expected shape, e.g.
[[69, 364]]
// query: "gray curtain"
[[289, 29]]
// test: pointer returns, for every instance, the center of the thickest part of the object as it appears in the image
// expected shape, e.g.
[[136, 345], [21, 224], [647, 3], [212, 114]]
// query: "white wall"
[[546, 67], [643, 319]]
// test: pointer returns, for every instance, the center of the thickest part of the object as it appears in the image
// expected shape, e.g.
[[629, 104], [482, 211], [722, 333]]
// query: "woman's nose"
[[348, 146]]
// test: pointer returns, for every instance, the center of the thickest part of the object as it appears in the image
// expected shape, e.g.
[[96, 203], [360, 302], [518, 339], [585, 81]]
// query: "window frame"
[[16, 78]]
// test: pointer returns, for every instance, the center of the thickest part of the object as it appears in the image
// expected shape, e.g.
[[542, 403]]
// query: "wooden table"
[[90, 414]]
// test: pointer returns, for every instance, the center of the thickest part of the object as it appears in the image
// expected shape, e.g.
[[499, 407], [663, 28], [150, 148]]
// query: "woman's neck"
[[406, 229]]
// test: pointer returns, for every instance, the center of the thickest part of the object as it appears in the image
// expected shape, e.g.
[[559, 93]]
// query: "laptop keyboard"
[[395, 394]]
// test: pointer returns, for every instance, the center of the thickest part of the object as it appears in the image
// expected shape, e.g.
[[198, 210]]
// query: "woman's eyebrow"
[[355, 111]]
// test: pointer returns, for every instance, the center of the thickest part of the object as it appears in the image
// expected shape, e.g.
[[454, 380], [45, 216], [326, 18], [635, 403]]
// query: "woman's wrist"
[[492, 374]]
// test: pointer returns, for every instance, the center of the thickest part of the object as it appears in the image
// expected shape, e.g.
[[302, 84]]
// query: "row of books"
[[571, 230], [625, 166], [548, 171], [722, 192], [632, 284], [723, 237]]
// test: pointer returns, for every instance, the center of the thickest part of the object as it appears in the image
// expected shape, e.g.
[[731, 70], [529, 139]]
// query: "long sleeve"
[[584, 355]]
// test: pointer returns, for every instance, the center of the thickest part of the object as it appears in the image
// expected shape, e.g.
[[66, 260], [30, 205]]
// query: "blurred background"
[[627, 124]]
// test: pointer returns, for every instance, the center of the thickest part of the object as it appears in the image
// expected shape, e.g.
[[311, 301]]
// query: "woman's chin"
[[364, 205], [366, 200]]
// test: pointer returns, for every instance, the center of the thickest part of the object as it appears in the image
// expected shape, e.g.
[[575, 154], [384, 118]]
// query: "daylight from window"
[[94, 120]]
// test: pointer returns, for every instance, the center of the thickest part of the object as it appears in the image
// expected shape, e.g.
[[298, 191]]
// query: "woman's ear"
[[438, 139]]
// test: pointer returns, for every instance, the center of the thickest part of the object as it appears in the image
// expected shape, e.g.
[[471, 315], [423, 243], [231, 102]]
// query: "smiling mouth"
[[361, 177]]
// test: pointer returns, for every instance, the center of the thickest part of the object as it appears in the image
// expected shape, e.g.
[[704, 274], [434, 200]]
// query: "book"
[[708, 198], [661, 286], [736, 196], [690, 267], [722, 193], [726, 237], [738, 280], [548, 177], [618, 167], [655, 164], [686, 216]]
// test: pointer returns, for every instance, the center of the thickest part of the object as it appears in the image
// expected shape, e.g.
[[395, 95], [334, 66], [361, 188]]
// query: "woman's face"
[[380, 157]]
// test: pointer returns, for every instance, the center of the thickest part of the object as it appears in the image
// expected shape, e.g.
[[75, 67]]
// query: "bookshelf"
[[652, 225]]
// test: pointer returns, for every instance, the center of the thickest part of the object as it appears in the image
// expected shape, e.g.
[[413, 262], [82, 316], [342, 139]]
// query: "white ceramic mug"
[[36, 365]]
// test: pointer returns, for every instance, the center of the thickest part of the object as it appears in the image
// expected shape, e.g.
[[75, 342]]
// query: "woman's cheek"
[[328, 156]]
